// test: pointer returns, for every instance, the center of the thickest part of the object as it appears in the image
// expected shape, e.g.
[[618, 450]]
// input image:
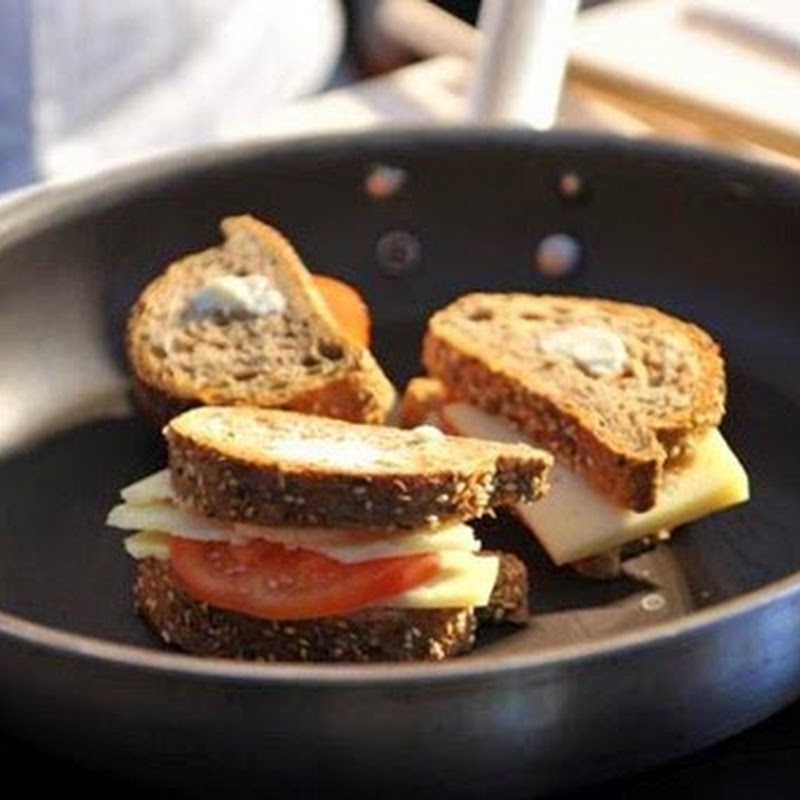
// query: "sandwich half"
[[281, 536], [627, 398], [244, 323]]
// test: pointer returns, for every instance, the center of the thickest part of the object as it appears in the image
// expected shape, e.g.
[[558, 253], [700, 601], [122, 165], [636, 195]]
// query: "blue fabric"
[[17, 161]]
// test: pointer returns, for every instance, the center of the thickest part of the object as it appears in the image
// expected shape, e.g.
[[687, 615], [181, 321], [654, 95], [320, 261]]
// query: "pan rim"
[[23, 209], [473, 666], [41, 201]]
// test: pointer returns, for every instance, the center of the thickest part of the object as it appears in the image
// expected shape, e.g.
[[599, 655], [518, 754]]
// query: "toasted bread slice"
[[283, 468], [509, 599], [293, 354], [369, 635], [420, 401], [617, 391]]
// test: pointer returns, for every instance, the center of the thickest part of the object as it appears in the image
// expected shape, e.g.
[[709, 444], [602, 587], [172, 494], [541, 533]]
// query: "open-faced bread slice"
[[617, 391], [243, 324]]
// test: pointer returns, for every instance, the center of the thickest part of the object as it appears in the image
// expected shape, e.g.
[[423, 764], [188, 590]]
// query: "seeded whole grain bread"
[[619, 430], [369, 635], [509, 599], [273, 467], [299, 358]]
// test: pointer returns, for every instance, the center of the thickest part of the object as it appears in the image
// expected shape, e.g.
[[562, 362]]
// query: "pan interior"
[[708, 240]]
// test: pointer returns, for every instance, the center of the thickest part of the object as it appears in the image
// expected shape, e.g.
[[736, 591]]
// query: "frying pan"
[[699, 638]]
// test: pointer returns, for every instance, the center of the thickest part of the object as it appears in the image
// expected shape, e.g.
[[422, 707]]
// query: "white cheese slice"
[[573, 521], [169, 519], [148, 544], [352, 547], [466, 580], [154, 488], [344, 545]]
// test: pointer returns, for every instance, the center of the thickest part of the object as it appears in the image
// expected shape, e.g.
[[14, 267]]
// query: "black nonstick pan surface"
[[698, 640]]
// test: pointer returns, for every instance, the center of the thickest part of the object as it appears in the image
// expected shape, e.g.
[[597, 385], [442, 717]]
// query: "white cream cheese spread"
[[597, 351], [236, 296]]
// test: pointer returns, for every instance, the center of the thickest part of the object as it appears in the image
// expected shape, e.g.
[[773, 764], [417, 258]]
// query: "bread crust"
[[509, 602], [178, 363], [619, 431], [230, 463]]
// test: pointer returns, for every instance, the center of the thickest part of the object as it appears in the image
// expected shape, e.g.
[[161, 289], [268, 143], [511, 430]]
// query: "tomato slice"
[[267, 580], [347, 306]]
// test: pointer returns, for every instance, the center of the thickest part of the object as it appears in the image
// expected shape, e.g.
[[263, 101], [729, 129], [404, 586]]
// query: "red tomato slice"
[[267, 580], [347, 306]]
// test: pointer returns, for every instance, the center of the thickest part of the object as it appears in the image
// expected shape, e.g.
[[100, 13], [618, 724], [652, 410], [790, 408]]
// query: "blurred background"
[[87, 84]]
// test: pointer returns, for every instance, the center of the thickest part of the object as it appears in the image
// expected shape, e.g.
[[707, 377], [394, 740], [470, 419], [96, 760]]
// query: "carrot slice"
[[347, 306]]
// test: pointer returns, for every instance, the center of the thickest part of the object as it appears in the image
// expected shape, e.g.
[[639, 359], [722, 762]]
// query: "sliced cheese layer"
[[343, 545], [573, 521], [155, 488], [148, 544], [466, 579]]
